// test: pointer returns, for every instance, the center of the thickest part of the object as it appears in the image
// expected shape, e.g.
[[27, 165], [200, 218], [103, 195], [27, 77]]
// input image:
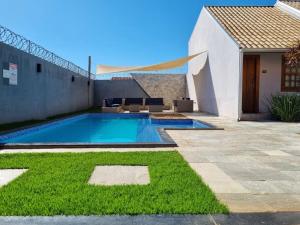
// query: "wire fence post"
[[29, 46], [89, 78]]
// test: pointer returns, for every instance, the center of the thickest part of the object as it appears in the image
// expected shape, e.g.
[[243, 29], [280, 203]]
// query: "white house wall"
[[216, 88]]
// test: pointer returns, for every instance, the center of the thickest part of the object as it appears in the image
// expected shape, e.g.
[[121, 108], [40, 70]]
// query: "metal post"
[[29, 47], [89, 76]]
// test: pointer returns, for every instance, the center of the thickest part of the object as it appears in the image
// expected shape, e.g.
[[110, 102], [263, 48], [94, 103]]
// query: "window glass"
[[290, 77]]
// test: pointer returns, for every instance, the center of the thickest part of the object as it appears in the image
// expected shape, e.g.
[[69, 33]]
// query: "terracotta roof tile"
[[258, 27]]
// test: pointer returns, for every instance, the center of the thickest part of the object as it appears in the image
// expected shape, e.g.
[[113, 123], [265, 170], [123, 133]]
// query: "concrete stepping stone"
[[120, 175], [8, 175]]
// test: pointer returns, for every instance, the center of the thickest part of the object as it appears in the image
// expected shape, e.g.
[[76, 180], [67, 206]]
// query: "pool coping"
[[167, 140]]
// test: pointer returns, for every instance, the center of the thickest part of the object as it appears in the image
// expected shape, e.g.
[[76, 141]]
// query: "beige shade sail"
[[103, 69], [198, 64]]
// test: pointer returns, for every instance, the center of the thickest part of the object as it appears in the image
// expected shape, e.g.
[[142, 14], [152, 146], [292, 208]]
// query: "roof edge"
[[270, 50], [238, 6], [288, 9]]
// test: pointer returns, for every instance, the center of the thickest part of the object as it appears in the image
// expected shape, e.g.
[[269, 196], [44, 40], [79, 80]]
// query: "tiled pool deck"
[[251, 166]]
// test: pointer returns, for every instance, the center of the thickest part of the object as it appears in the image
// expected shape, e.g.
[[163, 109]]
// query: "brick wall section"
[[167, 86]]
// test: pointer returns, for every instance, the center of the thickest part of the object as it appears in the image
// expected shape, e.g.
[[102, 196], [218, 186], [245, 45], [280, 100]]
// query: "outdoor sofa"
[[134, 104], [154, 104], [117, 105], [184, 105], [112, 105]]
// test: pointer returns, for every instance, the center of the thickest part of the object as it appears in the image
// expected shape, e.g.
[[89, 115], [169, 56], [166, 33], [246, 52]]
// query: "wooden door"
[[251, 69]]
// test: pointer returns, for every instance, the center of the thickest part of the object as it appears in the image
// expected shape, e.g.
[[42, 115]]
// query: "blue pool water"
[[99, 128]]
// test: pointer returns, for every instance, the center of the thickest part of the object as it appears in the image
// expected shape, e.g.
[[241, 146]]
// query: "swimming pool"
[[101, 129]]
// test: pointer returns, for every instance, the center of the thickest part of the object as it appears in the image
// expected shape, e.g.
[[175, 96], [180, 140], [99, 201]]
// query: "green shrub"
[[286, 107]]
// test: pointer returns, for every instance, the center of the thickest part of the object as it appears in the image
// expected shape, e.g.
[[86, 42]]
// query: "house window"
[[290, 81]]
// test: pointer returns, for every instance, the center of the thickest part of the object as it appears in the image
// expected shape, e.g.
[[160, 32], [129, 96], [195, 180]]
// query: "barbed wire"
[[17, 41]]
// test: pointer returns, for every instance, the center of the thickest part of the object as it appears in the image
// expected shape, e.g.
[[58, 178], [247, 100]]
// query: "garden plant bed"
[[168, 116], [57, 184]]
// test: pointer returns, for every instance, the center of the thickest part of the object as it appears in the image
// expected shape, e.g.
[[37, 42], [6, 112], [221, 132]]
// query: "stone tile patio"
[[251, 166]]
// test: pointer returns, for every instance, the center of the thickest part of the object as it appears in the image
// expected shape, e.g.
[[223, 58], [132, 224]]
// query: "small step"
[[255, 116]]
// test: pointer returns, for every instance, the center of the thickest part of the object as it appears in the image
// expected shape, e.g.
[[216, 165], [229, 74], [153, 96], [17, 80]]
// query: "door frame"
[[257, 82]]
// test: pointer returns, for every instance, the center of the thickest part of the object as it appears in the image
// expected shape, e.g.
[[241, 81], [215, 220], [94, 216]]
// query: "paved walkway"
[[251, 166], [233, 219]]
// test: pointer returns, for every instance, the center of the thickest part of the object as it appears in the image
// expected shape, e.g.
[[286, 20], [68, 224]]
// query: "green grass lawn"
[[56, 184]]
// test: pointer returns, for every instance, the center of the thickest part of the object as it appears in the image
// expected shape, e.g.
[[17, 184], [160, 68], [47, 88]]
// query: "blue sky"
[[117, 32]]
